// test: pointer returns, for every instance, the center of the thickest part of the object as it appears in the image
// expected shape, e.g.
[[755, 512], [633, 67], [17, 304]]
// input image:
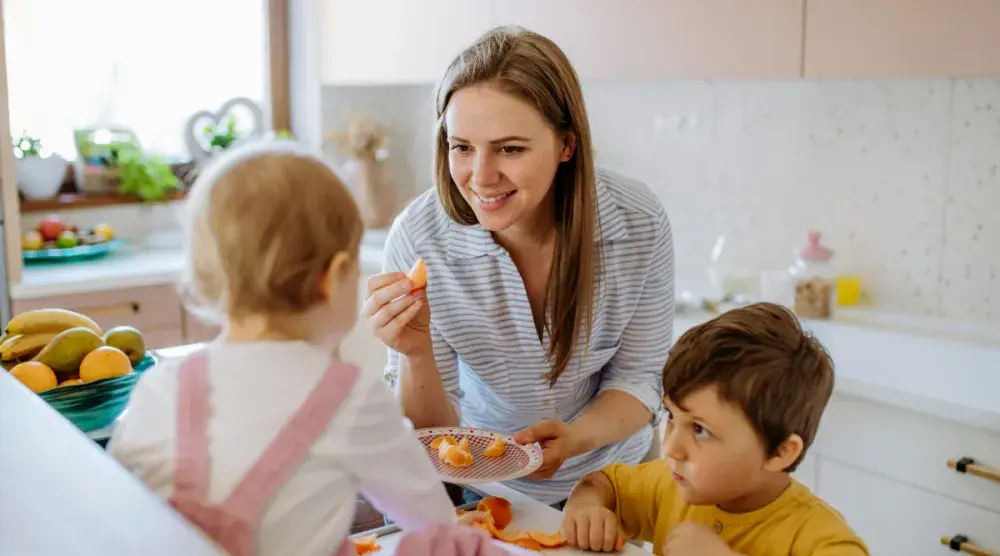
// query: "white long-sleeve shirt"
[[255, 388]]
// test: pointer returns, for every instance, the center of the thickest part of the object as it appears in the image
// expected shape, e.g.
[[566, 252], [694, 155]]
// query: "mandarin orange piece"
[[496, 448], [436, 443], [530, 544], [418, 274], [443, 448], [456, 457], [498, 509], [548, 541], [465, 446], [366, 545]]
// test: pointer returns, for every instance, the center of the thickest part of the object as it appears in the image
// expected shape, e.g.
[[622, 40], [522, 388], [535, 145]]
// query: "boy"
[[744, 394]]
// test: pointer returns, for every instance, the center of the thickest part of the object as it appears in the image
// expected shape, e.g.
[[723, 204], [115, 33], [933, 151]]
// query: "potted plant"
[[145, 176], [39, 177]]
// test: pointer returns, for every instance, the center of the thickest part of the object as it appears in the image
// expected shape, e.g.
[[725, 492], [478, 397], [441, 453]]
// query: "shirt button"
[[717, 527]]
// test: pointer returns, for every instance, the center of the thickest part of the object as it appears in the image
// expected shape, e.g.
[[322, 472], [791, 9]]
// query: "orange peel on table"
[[418, 274], [496, 448], [498, 515], [366, 545]]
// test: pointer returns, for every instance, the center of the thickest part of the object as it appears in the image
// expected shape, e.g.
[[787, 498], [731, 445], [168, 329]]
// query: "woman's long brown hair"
[[533, 68]]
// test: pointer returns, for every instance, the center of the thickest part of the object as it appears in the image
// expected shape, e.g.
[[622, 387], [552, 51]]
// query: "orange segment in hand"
[[496, 448], [418, 274]]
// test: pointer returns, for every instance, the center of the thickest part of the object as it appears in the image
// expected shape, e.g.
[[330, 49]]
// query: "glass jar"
[[733, 271], [814, 280]]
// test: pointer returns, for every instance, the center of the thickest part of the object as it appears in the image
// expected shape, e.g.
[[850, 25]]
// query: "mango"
[[65, 352], [129, 340]]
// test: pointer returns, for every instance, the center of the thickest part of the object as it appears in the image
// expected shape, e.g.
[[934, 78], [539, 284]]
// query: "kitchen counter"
[[129, 268], [528, 514]]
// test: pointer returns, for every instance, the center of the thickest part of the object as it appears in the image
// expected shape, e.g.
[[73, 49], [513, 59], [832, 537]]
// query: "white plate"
[[518, 460]]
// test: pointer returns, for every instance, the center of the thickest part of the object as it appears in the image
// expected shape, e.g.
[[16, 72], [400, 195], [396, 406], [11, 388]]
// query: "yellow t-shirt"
[[798, 523]]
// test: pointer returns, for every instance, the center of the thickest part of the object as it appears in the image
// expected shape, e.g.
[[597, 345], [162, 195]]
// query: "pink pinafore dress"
[[233, 523]]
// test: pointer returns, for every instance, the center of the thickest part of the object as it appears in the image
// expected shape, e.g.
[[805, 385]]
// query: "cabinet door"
[[932, 38], [395, 41], [893, 518], [607, 39]]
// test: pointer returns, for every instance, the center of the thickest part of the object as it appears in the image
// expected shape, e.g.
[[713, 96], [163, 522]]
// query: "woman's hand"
[[400, 317], [557, 441]]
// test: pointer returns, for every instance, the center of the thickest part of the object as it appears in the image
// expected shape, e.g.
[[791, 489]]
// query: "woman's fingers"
[[392, 330], [540, 431], [385, 294], [390, 310], [380, 281]]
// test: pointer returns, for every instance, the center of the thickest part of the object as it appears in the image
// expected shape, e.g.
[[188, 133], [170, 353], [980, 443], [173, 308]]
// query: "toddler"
[[264, 439], [744, 394]]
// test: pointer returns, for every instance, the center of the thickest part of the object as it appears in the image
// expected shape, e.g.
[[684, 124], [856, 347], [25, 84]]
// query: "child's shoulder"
[[820, 525]]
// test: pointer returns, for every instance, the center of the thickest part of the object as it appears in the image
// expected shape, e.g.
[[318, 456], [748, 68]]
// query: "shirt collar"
[[467, 242]]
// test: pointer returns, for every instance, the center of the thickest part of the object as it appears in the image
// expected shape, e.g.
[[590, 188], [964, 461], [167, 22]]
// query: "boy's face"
[[714, 452]]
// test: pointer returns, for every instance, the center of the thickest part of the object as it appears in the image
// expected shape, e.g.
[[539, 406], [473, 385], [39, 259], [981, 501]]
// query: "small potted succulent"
[[39, 176]]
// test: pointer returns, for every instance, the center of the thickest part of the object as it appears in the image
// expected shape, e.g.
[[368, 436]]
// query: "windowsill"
[[66, 201]]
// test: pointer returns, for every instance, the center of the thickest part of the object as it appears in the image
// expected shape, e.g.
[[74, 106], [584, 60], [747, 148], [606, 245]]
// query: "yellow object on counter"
[[848, 290]]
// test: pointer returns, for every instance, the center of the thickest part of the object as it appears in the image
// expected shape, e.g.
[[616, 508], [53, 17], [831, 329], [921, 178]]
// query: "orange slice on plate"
[[436, 443], [465, 446], [457, 457], [496, 448]]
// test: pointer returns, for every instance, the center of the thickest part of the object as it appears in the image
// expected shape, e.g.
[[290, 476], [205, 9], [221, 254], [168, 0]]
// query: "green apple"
[[67, 239]]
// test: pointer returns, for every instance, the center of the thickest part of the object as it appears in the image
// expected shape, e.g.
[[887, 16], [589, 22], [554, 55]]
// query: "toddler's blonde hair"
[[262, 224]]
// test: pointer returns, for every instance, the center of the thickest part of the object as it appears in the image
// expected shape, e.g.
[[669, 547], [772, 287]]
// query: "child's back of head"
[[271, 233]]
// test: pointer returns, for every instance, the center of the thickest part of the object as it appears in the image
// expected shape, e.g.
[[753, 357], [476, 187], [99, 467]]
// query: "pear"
[[129, 340], [65, 352]]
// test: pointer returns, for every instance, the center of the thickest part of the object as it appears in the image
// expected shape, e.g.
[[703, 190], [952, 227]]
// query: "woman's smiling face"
[[502, 156]]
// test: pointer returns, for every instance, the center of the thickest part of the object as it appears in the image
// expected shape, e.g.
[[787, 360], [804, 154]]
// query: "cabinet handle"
[[968, 465], [960, 543]]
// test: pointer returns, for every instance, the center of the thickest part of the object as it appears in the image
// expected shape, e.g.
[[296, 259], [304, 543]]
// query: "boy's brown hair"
[[761, 360]]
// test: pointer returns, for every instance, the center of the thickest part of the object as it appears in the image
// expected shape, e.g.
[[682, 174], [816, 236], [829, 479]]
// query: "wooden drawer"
[[896, 519], [145, 308], [910, 447]]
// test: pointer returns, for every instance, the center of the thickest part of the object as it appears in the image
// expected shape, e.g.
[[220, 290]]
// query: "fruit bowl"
[[93, 405]]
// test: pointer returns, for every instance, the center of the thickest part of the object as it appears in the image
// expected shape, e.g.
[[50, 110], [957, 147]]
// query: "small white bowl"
[[41, 178]]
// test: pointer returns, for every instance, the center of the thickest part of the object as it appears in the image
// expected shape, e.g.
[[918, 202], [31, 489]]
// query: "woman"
[[549, 305]]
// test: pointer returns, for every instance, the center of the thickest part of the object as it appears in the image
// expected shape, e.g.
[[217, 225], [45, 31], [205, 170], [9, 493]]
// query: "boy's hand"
[[593, 528], [695, 540]]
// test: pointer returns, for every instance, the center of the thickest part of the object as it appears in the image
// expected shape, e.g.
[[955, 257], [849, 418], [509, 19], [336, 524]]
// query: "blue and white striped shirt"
[[485, 342]]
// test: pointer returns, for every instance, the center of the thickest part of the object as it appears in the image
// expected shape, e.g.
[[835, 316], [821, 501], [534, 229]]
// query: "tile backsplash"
[[901, 176]]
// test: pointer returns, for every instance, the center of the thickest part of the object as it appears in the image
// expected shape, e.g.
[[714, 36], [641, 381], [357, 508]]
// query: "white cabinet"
[[895, 519]]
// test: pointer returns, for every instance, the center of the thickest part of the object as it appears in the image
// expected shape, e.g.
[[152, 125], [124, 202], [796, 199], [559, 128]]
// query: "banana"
[[50, 320], [25, 345]]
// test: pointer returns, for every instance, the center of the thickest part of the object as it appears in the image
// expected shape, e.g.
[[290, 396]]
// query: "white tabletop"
[[528, 514], [61, 494]]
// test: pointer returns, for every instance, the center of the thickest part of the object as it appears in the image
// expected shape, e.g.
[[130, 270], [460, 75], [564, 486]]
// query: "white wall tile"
[[900, 175]]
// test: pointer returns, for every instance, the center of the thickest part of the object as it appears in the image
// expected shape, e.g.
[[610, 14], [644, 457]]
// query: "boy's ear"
[[338, 265], [786, 454]]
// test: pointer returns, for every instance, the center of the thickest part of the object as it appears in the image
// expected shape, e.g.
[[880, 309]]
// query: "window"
[[147, 65]]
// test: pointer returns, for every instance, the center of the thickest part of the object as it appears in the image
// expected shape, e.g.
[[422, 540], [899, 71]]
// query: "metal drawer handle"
[[960, 543], [968, 465]]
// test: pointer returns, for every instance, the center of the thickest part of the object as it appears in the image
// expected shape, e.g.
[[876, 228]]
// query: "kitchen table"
[[61, 494], [528, 514]]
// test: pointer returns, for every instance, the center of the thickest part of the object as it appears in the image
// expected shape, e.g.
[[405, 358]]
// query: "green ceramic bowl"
[[94, 405]]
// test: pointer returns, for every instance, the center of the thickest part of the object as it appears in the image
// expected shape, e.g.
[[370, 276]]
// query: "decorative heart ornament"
[[249, 118]]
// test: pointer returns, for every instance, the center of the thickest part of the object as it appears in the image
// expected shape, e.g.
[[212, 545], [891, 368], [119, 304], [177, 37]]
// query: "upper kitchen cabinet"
[[383, 42], [699, 39], [902, 38]]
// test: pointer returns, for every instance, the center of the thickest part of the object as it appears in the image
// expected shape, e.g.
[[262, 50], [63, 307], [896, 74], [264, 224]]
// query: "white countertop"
[[528, 514]]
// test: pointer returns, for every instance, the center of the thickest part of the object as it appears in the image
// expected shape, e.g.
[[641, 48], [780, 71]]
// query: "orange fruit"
[[457, 457], [436, 443], [443, 446], [465, 446], [418, 274], [104, 362], [365, 545], [37, 376], [70, 382], [496, 448], [498, 508]]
